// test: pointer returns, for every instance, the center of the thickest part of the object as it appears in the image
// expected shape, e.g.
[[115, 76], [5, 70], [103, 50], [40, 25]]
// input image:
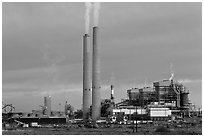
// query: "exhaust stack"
[[86, 77], [112, 93], [96, 88], [47, 105]]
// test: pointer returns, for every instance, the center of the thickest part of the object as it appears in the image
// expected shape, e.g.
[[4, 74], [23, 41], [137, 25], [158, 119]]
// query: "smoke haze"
[[137, 40], [88, 6], [96, 7], [172, 72]]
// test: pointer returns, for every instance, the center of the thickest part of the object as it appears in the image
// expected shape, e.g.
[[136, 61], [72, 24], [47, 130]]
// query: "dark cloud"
[[42, 47]]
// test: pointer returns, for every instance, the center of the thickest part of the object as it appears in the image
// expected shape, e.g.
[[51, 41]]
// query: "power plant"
[[163, 101], [164, 104]]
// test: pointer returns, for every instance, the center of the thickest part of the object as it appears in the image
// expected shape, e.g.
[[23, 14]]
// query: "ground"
[[146, 129]]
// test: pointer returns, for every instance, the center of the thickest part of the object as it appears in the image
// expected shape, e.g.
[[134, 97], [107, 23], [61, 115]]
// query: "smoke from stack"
[[96, 8], [172, 72], [88, 6]]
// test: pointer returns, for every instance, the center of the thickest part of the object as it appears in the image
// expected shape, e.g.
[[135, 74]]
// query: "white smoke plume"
[[96, 6], [88, 6], [172, 72]]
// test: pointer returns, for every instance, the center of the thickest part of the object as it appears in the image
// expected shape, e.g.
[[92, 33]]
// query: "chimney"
[[112, 92], [47, 105], [96, 88], [86, 77]]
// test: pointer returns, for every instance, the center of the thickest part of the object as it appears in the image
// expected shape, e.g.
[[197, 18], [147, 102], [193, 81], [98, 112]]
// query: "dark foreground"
[[115, 130]]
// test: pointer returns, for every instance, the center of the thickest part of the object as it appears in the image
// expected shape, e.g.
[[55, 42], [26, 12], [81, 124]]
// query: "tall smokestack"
[[112, 93], [47, 105], [96, 100], [86, 77]]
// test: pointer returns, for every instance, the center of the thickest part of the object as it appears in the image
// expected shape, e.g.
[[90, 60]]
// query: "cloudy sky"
[[140, 43]]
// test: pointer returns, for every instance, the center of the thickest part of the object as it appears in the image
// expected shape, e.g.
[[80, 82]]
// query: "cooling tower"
[[86, 77], [96, 100]]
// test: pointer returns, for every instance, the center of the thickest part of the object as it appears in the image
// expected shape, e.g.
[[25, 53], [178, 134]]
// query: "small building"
[[131, 113], [158, 113]]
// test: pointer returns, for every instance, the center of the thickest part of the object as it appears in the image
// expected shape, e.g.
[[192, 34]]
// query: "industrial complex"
[[165, 101]]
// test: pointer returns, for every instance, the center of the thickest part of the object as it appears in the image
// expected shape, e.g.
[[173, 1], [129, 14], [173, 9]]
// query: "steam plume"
[[88, 6], [172, 72], [96, 12]]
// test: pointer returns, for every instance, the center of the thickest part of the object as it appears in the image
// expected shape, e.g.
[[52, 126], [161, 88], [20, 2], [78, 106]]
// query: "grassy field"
[[119, 130]]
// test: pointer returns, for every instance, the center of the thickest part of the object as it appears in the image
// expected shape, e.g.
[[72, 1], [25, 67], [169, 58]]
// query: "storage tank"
[[184, 99]]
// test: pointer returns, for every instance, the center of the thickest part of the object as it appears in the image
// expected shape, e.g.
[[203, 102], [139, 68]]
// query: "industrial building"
[[164, 100], [42, 116], [167, 92]]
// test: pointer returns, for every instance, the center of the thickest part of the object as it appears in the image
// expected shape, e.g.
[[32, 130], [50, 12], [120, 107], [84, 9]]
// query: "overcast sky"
[[42, 50]]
